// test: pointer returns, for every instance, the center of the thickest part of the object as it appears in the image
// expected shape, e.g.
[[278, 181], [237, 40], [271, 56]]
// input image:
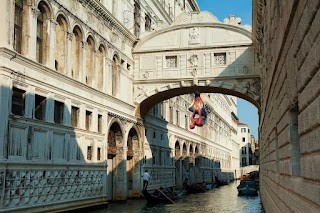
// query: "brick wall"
[[290, 107]]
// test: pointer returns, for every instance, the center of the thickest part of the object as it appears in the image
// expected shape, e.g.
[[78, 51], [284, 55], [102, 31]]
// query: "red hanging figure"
[[199, 112]]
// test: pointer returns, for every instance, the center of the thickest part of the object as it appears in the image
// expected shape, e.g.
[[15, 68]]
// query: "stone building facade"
[[287, 45], [69, 133]]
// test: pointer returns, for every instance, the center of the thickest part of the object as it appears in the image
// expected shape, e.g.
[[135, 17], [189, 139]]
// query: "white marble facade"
[[70, 134]]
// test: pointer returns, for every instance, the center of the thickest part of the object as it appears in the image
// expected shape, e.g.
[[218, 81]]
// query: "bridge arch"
[[195, 53]]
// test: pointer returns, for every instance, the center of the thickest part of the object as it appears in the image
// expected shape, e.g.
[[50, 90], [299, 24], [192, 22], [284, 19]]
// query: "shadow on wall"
[[55, 152], [47, 157]]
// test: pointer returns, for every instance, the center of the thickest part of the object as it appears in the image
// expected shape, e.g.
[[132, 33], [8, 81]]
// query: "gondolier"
[[146, 178]]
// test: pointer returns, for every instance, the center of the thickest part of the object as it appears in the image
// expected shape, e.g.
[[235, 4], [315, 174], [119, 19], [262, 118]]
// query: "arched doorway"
[[115, 166], [133, 166]]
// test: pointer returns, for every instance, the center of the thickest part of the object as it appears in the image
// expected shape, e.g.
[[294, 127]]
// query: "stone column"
[[94, 123], [108, 76], [82, 68], [52, 43], [49, 113], [67, 112], [31, 33], [30, 102], [69, 54], [94, 81], [5, 105], [82, 117]]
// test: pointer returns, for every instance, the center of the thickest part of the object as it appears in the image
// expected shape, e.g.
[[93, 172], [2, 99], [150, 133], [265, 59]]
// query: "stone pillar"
[[49, 113], [82, 70], [108, 76], [94, 81], [94, 123], [69, 54], [82, 117], [7, 23], [5, 105], [30, 102], [104, 74], [31, 33], [52, 43], [67, 112]]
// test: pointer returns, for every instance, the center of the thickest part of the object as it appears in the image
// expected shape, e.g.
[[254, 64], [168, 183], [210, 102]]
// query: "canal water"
[[222, 199]]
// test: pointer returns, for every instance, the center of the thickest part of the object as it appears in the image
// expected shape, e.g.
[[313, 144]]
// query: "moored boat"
[[247, 187]]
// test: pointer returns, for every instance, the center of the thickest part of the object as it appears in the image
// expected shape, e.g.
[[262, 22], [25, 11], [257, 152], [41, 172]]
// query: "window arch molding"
[[44, 17]]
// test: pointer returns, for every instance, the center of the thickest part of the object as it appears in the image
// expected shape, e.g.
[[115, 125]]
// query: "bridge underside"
[[195, 53]]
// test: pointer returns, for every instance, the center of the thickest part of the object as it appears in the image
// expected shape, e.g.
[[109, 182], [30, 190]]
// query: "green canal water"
[[222, 199]]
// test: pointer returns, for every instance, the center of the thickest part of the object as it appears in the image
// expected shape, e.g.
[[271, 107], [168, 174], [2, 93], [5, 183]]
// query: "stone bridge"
[[196, 52]]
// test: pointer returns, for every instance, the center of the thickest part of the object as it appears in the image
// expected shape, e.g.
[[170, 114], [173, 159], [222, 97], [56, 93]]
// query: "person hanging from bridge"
[[199, 112]]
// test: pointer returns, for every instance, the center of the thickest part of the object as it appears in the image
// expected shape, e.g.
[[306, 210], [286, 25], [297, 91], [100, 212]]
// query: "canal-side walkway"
[[222, 199]]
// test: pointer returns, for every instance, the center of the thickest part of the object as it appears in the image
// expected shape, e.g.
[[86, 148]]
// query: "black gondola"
[[162, 196], [196, 188]]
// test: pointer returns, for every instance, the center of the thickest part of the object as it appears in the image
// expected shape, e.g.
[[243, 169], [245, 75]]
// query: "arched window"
[[39, 48], [76, 52], [100, 64], [115, 76], [89, 61], [61, 44], [18, 20], [42, 36]]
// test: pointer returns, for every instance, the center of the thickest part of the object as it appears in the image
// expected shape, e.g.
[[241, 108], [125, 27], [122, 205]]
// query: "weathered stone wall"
[[288, 45]]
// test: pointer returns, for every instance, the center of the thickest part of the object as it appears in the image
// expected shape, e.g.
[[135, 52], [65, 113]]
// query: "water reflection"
[[223, 199]]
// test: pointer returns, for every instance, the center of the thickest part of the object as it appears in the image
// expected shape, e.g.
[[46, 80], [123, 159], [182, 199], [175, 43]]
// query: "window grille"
[[89, 153], [171, 61], [220, 58]]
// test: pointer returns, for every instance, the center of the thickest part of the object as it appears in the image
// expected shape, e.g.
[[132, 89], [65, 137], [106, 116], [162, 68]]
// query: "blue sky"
[[247, 112]]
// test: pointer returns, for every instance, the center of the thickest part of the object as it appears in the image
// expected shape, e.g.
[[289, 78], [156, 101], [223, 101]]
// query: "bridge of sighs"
[[196, 52]]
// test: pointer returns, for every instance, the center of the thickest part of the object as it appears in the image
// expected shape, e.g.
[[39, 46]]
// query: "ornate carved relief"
[[37, 187], [194, 35]]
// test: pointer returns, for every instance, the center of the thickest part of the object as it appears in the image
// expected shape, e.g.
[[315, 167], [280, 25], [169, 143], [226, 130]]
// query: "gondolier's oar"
[[200, 187], [165, 195]]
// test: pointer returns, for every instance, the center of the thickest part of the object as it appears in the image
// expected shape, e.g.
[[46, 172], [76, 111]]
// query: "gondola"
[[162, 196], [196, 188], [247, 187]]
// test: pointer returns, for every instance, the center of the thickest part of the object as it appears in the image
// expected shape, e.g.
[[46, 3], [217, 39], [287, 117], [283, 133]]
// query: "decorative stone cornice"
[[124, 118], [109, 18]]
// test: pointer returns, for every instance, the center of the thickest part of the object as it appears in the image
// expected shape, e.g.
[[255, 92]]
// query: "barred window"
[[18, 101], [171, 61], [220, 59], [74, 116], [88, 120], [40, 107], [89, 153], [58, 112], [99, 153], [99, 123]]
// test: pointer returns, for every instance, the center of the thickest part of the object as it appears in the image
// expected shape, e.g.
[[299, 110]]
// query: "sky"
[[247, 112]]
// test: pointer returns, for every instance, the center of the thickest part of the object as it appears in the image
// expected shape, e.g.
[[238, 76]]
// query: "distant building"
[[244, 139]]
